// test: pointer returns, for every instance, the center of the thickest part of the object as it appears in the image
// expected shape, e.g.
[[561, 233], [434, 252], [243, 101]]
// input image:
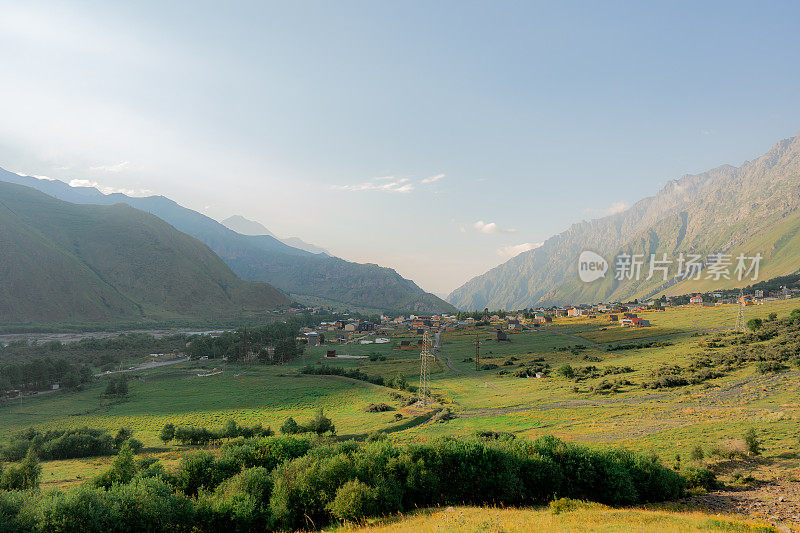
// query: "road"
[[145, 366]]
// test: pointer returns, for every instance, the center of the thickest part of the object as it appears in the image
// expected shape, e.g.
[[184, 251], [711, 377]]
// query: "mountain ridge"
[[265, 258], [722, 208], [70, 262]]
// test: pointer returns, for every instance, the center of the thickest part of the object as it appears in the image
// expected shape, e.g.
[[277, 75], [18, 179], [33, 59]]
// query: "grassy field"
[[668, 421], [584, 517]]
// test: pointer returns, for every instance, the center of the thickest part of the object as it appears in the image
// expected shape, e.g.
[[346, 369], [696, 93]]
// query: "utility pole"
[[425, 372], [477, 344]]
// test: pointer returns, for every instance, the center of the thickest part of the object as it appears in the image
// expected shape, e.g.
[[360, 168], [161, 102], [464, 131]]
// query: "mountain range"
[[753, 208], [63, 262], [312, 277], [242, 225]]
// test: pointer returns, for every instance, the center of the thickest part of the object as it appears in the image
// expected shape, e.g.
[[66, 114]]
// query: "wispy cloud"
[[385, 184], [491, 228], [112, 169], [390, 184], [613, 209], [514, 250], [433, 179], [110, 190]]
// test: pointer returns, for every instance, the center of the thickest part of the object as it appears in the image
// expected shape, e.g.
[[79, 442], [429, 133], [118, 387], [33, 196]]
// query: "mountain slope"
[[723, 210], [265, 258], [65, 262], [242, 225]]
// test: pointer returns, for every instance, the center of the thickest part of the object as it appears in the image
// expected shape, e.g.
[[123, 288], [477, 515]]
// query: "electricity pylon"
[[425, 372], [477, 344], [740, 314]]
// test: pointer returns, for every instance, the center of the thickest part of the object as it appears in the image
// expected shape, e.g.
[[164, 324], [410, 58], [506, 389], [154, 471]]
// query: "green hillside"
[[264, 257], [67, 262]]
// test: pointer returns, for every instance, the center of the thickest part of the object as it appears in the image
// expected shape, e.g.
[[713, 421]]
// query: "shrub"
[[697, 454], [354, 500], [290, 427], [378, 408], [699, 478], [754, 324], [566, 371], [563, 505], [24, 476], [752, 442], [167, 433]]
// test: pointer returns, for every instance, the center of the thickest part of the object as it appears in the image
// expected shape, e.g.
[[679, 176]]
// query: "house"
[[314, 339], [626, 322], [350, 327], [696, 300], [613, 318], [330, 353], [574, 312], [501, 335]]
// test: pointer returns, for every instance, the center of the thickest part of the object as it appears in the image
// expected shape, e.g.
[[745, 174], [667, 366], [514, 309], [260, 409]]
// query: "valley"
[[604, 409]]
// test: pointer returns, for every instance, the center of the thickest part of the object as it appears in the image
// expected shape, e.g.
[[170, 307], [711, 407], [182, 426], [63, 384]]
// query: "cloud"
[[491, 228], [433, 179], [707, 132], [389, 184], [113, 169], [514, 250], [616, 207], [385, 184], [110, 190]]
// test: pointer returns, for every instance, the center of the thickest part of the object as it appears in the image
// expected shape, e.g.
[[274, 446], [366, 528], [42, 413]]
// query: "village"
[[355, 330]]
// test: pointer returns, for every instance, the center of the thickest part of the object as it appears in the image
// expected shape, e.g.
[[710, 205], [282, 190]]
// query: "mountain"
[[748, 209], [242, 225], [63, 262], [265, 258], [245, 226]]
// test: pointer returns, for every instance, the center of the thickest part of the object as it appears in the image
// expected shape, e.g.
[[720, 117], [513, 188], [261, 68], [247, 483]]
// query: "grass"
[[584, 517], [664, 421]]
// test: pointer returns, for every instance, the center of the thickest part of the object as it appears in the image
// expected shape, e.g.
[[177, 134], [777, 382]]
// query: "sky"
[[437, 138]]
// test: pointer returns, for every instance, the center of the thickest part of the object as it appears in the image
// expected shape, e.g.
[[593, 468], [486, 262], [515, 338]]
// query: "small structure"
[[696, 300], [501, 335], [330, 353]]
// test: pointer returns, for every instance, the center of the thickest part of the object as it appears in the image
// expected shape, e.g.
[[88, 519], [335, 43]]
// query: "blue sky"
[[437, 138]]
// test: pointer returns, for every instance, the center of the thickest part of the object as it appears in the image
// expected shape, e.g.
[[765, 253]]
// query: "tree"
[[567, 371], [23, 477], [754, 324], [772, 316], [167, 433], [321, 424], [122, 435], [290, 427]]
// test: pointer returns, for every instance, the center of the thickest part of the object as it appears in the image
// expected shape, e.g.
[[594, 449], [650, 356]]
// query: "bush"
[[752, 442], [290, 427], [699, 478], [754, 324], [354, 500], [378, 408], [167, 433], [697, 454], [566, 371], [24, 476]]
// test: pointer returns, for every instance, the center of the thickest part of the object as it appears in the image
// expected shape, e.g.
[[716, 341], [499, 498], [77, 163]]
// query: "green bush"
[[354, 500], [699, 478]]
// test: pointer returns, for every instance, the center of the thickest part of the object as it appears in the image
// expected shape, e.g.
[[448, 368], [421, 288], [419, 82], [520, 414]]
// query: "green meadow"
[[667, 421]]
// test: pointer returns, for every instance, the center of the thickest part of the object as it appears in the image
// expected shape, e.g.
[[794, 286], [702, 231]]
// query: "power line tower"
[[425, 372], [740, 314], [477, 343]]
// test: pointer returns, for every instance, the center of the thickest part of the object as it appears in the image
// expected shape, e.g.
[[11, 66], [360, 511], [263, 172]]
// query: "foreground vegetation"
[[288, 483]]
